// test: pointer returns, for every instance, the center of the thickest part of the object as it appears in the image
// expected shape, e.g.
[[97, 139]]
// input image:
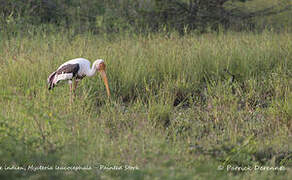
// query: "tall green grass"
[[176, 112]]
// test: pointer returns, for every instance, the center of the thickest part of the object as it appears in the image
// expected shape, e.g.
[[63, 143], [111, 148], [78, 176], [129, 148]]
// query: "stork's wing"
[[66, 72], [68, 68]]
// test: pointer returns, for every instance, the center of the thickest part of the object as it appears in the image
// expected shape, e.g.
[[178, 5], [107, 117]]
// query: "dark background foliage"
[[139, 15]]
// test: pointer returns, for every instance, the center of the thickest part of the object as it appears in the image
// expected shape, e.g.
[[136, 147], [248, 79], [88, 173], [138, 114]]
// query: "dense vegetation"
[[175, 109], [108, 16], [187, 98]]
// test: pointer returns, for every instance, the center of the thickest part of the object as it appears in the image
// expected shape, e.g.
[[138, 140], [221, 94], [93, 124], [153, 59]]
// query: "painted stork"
[[76, 69]]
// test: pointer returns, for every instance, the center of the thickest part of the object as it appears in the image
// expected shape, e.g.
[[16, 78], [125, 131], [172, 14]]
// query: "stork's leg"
[[75, 86], [71, 88]]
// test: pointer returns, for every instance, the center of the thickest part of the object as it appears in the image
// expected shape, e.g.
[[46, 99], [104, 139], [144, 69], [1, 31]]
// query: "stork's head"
[[100, 66]]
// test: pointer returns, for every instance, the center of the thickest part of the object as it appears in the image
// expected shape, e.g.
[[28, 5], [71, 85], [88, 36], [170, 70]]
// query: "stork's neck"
[[92, 70]]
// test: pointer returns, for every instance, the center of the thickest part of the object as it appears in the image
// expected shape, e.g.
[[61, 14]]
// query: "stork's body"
[[76, 69]]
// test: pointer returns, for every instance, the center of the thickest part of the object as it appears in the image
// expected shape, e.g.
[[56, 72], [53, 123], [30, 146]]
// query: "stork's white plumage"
[[76, 69]]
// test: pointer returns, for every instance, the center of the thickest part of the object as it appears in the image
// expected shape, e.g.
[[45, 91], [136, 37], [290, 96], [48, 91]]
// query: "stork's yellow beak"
[[103, 75]]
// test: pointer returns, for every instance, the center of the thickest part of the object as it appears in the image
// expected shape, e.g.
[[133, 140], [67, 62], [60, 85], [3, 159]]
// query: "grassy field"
[[181, 107]]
